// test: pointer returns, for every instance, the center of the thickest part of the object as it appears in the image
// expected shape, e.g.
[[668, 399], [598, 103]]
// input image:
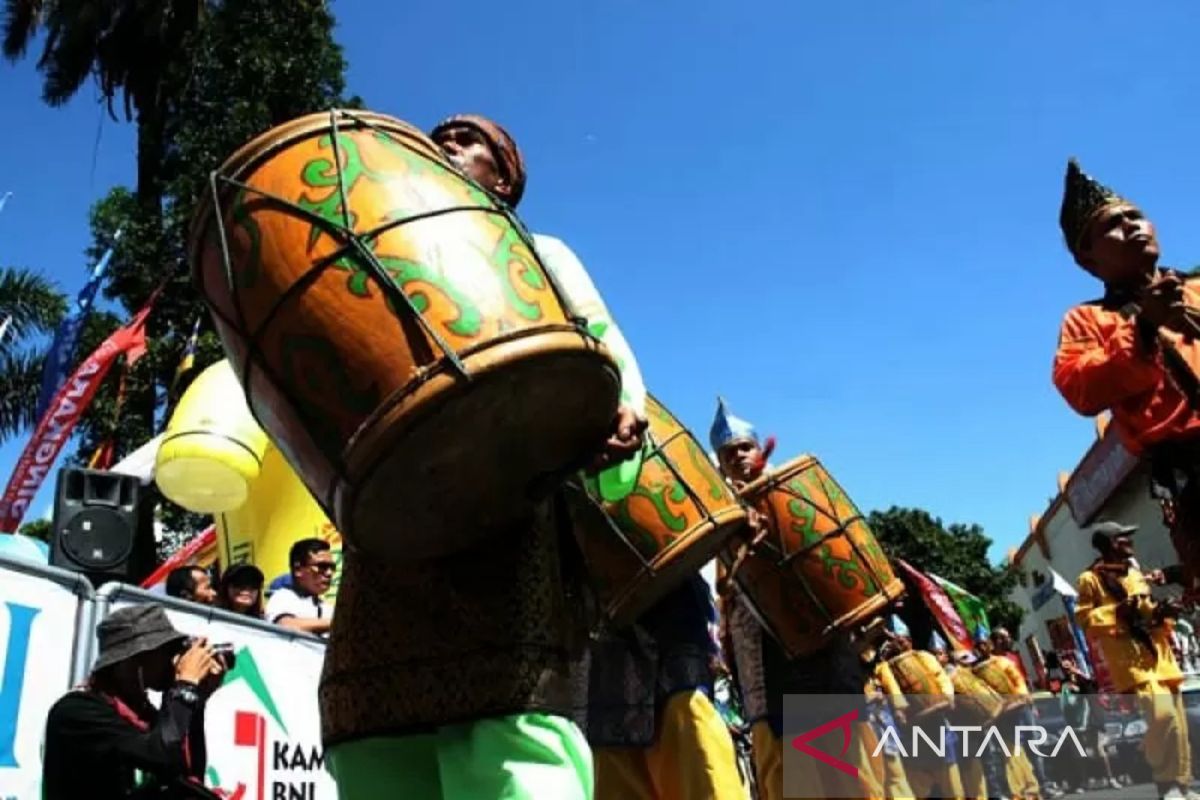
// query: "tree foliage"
[[248, 66], [956, 552], [34, 307]]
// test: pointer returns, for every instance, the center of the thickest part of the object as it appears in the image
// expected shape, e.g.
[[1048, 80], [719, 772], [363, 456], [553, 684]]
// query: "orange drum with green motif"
[[396, 334], [676, 519], [918, 673], [820, 569]]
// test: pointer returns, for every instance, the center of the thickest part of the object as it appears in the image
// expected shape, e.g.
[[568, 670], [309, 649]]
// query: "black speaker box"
[[103, 526]]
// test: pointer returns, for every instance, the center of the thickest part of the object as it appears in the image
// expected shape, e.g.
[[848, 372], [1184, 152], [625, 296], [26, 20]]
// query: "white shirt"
[[286, 603], [572, 277]]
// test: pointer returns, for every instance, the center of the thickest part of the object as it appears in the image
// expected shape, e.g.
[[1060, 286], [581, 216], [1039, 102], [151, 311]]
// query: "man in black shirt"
[[106, 740]]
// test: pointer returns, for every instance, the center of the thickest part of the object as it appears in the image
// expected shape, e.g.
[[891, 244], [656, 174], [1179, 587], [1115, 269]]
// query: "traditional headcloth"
[[982, 634], [727, 429], [897, 626], [936, 642], [504, 150], [1083, 198]]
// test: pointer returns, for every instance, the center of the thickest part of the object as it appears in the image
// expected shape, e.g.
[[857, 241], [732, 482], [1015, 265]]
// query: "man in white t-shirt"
[[300, 606]]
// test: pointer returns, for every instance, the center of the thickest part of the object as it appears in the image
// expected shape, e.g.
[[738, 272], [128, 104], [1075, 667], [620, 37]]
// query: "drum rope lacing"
[[358, 245]]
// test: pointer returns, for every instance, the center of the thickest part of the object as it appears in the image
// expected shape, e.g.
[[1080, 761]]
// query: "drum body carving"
[[677, 518], [991, 672], [917, 673], [975, 703], [820, 570], [395, 333]]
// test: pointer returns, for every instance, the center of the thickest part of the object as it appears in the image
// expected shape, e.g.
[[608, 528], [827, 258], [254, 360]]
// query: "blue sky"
[[841, 216]]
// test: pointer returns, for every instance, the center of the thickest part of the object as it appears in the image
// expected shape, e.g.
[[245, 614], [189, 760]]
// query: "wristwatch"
[[187, 692]]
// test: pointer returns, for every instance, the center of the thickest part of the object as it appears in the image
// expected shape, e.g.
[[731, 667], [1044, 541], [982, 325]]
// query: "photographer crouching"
[[106, 739]]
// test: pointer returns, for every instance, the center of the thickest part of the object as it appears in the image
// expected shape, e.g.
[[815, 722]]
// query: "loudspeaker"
[[103, 526]]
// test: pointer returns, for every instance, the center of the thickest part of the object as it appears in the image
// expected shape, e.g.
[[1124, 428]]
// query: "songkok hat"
[[1083, 198]]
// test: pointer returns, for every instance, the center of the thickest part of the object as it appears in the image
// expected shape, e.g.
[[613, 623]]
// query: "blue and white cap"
[[982, 634], [936, 643], [726, 428]]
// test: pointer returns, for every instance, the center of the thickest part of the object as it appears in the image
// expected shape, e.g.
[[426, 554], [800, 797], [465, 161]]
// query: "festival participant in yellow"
[[1134, 633], [1002, 675], [455, 679], [928, 775], [982, 775], [764, 674]]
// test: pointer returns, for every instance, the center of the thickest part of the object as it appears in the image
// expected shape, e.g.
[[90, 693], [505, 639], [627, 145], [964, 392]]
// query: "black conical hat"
[[1083, 198]]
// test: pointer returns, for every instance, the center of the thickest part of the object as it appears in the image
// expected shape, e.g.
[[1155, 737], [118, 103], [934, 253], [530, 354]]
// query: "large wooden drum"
[[676, 519], [992, 672], [820, 570], [918, 674], [975, 703], [396, 333]]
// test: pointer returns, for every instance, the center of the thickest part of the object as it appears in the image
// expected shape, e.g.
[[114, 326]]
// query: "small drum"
[[975, 703], [396, 333], [820, 569], [917, 672], [992, 673], [676, 519]]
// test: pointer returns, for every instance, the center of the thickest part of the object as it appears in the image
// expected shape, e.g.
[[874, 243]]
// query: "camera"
[[222, 652]]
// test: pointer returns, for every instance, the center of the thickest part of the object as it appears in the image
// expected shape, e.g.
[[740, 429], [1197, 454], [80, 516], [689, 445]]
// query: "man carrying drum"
[[1135, 351], [1007, 681], [453, 678], [764, 672]]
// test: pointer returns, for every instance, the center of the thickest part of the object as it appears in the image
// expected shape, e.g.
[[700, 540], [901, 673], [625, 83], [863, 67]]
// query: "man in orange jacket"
[[1134, 352]]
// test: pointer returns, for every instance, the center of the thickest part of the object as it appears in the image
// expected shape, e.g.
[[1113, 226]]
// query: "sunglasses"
[[325, 567]]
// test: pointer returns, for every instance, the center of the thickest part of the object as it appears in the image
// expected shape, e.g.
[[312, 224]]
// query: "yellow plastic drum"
[[215, 459], [212, 449]]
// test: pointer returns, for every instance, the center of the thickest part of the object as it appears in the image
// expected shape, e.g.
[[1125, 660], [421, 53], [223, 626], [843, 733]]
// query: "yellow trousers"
[[974, 780], [692, 757], [895, 778], [941, 781], [1166, 742], [1022, 781], [811, 778]]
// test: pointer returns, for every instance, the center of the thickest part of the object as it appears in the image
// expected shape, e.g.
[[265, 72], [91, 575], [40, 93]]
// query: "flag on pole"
[[940, 606], [66, 338], [189, 356], [970, 608], [64, 411]]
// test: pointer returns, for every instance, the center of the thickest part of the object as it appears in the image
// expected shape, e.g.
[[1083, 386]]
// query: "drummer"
[[1003, 676], [658, 735], [928, 775], [764, 672], [454, 679]]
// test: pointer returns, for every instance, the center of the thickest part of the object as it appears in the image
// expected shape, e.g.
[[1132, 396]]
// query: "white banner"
[[263, 726], [38, 619]]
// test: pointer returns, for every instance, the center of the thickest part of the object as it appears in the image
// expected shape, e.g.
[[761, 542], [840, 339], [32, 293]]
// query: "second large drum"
[[395, 333], [820, 569]]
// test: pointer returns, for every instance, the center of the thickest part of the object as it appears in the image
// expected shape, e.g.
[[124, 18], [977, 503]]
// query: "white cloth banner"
[[38, 619], [263, 726]]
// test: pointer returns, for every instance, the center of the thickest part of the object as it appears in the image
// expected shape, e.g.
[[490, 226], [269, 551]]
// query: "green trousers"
[[521, 757]]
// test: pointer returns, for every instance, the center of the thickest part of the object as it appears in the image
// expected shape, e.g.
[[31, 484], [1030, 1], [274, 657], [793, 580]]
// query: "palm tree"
[[34, 307], [128, 45]]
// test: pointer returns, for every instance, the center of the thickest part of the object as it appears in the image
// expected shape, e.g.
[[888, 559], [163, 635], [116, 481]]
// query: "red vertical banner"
[[63, 414]]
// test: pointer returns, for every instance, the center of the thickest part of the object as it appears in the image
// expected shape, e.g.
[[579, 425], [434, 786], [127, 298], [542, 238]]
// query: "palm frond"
[[34, 303], [21, 19], [20, 382]]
